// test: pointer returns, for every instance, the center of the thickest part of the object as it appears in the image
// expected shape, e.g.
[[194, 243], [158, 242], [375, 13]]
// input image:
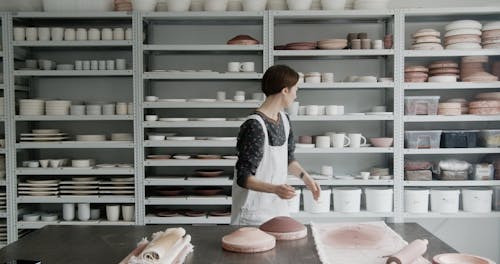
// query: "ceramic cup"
[[121, 108], [356, 140], [331, 110], [356, 44], [365, 175], [233, 66], [327, 170], [221, 96], [332, 137], [94, 65], [239, 98], [121, 64], [78, 65], [110, 65], [340, 109], [239, 93], [321, 109], [247, 66], [31, 34], [118, 34], [44, 163], [305, 139], [327, 77], [54, 163], [81, 34], [44, 33], [68, 211], [341, 140], [77, 110], [128, 212], [95, 214], [57, 33], [377, 44], [312, 110], [293, 109], [102, 65], [113, 212], [128, 34], [108, 109], [86, 65], [69, 34], [322, 142], [366, 43], [83, 211], [94, 34], [19, 33], [106, 34]]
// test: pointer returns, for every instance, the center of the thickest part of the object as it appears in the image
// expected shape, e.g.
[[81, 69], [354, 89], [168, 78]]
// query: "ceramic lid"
[[463, 31], [450, 258], [461, 24], [282, 224]]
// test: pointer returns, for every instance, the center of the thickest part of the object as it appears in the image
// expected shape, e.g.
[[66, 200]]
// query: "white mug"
[[106, 34], [128, 212], [121, 64], [94, 65], [86, 65], [341, 141], [118, 34], [31, 34], [43, 33], [69, 34], [68, 211], [121, 108], [221, 96], [81, 34], [108, 109], [54, 163], [312, 110], [113, 212], [365, 175], [57, 33], [247, 66], [110, 65], [128, 34], [19, 33], [239, 93], [322, 141], [356, 140], [332, 137], [94, 34], [83, 211], [102, 65], [78, 65], [327, 170], [293, 109], [233, 66], [331, 110]]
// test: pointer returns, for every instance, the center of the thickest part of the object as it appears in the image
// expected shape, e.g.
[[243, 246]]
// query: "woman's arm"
[[284, 191], [296, 169]]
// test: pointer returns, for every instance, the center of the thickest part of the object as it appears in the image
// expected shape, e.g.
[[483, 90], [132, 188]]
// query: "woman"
[[265, 154]]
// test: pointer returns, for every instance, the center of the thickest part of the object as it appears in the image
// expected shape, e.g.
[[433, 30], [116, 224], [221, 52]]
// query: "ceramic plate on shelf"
[[210, 119], [222, 138], [124, 192], [116, 188], [320, 177], [181, 138], [172, 100], [84, 179], [122, 179], [379, 113], [156, 157], [78, 192], [43, 138], [35, 193], [167, 214], [230, 157], [40, 189], [124, 165], [365, 145], [43, 135], [43, 181], [202, 100], [208, 156], [182, 157], [22, 184], [79, 182], [174, 119], [78, 187]]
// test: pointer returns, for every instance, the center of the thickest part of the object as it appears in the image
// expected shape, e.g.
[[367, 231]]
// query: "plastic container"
[[294, 203], [490, 138], [445, 200], [418, 175], [459, 139], [421, 105], [477, 200], [423, 139], [346, 200], [483, 172], [320, 206], [379, 200], [417, 200], [453, 175]]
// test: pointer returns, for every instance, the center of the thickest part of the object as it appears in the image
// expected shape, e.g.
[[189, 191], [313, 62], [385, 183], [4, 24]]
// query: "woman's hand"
[[312, 185], [284, 191]]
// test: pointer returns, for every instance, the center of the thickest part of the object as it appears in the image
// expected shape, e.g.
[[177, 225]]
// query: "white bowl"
[[254, 5], [65, 67], [333, 4], [49, 217], [299, 4], [151, 98], [443, 78], [151, 117], [215, 5], [178, 5], [156, 137], [31, 217]]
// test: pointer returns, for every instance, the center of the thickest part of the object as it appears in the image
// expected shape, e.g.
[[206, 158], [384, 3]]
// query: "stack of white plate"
[[82, 163], [426, 39], [38, 187], [57, 107], [44, 135], [94, 109], [31, 106], [117, 186], [79, 186], [3, 201], [370, 4], [463, 35], [90, 137], [3, 232], [121, 137], [491, 35], [2, 167], [1, 106]]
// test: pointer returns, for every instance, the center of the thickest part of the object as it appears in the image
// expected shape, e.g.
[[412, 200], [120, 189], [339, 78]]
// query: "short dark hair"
[[278, 77]]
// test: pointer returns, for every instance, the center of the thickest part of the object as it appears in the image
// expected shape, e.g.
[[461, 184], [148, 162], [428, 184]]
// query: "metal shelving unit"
[[76, 144], [63, 44], [460, 118], [451, 86], [74, 171], [73, 73], [202, 105]]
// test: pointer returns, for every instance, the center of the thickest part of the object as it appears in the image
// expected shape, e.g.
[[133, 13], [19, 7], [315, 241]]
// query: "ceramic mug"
[[81, 34], [68, 211], [341, 140], [312, 110], [121, 108], [327, 170], [69, 34], [233, 66], [102, 65], [327, 77], [43, 33], [94, 34], [128, 212], [331, 110], [86, 65], [365, 175], [83, 211], [31, 34], [247, 66], [57, 33], [356, 140], [110, 65], [94, 65], [322, 142], [221, 96], [113, 212], [120, 64], [107, 34], [118, 34], [78, 65], [128, 34], [19, 33]]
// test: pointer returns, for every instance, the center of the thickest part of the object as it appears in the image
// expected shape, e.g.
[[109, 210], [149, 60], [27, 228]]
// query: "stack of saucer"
[[443, 71], [463, 35], [472, 69], [57, 107], [43, 135], [332, 44], [491, 35], [416, 73], [31, 106], [38, 187], [79, 186], [117, 186], [426, 39]]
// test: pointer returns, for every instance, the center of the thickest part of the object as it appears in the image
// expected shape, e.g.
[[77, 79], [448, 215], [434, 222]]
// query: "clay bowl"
[[305, 139], [208, 156], [209, 173], [248, 240], [158, 156], [242, 40], [382, 142], [207, 191], [170, 191], [193, 213], [284, 228], [167, 214], [451, 258], [220, 213]]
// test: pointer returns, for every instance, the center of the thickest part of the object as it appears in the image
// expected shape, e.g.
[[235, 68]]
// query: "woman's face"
[[291, 95]]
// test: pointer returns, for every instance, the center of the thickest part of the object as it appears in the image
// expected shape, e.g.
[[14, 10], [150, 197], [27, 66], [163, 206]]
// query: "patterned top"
[[251, 144]]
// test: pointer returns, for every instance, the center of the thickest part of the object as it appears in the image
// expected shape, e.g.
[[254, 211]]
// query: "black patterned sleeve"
[[250, 149], [291, 143]]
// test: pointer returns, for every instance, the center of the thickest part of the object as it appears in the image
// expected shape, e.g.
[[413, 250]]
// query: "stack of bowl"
[[332, 44], [426, 39], [94, 110], [301, 46], [491, 35], [416, 73], [57, 107], [450, 109], [464, 105], [486, 105], [277, 5], [463, 35], [443, 71], [31, 107], [472, 69]]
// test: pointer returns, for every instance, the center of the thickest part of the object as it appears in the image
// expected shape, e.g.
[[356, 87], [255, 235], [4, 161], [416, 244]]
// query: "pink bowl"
[[382, 142], [450, 258]]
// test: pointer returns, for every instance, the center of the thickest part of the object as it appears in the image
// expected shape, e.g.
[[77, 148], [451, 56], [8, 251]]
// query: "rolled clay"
[[409, 253]]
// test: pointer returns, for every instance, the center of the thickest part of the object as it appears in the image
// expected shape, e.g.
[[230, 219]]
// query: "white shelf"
[[323, 53], [73, 73], [439, 12], [151, 219], [461, 214], [450, 53], [88, 43], [225, 124], [190, 200], [191, 162], [332, 14], [222, 15], [40, 224], [451, 151], [451, 86], [75, 144], [75, 199], [442, 118], [73, 14], [346, 117], [191, 143], [201, 76], [73, 118], [452, 183], [342, 150], [345, 85], [74, 171], [305, 217], [334, 182], [157, 47], [190, 181], [202, 105]]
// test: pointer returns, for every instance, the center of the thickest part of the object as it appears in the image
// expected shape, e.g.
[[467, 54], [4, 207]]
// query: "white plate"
[[181, 138], [79, 182], [320, 177], [365, 145], [84, 179], [74, 192], [124, 183], [126, 179], [78, 187], [42, 135], [174, 119], [116, 192], [124, 165], [42, 181], [463, 24], [172, 100], [45, 131], [116, 188], [39, 189], [210, 119], [182, 157], [23, 184], [379, 113], [222, 138], [33, 193], [230, 157], [202, 100], [43, 138]]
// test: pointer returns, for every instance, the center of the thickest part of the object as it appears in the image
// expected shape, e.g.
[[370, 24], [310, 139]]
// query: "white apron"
[[254, 208]]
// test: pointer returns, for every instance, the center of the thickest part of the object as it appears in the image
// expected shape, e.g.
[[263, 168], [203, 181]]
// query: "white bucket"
[[346, 200], [417, 201], [320, 206], [477, 200], [379, 200], [294, 203], [445, 200]]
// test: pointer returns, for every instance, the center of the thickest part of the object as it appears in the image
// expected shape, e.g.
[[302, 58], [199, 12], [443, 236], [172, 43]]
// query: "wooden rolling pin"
[[409, 253]]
